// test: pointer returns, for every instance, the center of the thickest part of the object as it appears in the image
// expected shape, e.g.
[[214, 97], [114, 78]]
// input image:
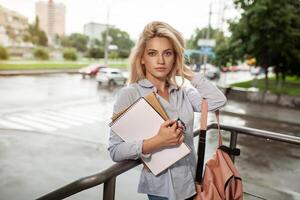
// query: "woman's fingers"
[[168, 123]]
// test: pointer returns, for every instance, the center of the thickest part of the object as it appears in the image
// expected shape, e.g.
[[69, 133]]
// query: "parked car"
[[90, 70], [210, 71], [233, 68], [256, 70], [110, 76]]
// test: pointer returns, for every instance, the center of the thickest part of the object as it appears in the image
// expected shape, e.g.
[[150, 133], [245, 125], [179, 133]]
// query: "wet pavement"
[[53, 130]]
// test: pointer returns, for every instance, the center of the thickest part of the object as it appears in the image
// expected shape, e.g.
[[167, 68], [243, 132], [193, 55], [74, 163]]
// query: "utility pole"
[[106, 39], [207, 34]]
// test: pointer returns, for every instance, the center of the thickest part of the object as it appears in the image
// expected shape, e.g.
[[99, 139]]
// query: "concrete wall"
[[261, 97]]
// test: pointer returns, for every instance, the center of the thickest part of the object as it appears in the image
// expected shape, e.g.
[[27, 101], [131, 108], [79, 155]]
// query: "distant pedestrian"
[[155, 61]]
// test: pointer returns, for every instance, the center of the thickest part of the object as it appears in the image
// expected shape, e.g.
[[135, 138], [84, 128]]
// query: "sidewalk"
[[262, 111], [37, 71]]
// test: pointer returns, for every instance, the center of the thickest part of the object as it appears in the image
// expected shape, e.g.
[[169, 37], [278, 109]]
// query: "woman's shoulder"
[[129, 90], [126, 96]]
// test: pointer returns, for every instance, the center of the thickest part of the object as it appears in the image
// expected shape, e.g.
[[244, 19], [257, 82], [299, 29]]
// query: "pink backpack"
[[221, 180]]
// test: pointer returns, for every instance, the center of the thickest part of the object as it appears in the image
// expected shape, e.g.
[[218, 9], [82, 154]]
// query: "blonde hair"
[[151, 30]]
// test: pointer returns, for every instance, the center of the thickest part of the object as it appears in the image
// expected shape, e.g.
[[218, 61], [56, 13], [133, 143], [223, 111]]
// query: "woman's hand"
[[170, 134], [198, 190]]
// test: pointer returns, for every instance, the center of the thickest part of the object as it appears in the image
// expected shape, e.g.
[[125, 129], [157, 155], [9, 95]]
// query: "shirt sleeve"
[[202, 88], [118, 149]]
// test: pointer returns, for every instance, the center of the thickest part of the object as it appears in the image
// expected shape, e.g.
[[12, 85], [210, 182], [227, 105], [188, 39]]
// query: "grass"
[[290, 87], [32, 65]]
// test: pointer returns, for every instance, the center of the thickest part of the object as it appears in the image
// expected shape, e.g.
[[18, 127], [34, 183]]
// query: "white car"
[[210, 71], [110, 76]]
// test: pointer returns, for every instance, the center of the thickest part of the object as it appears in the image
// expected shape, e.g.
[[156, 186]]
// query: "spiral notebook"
[[142, 121]]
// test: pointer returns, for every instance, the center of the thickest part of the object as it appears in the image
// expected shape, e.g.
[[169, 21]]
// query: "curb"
[[36, 72], [261, 97]]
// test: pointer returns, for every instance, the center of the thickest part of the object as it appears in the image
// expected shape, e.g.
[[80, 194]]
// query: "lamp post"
[[207, 35], [106, 49]]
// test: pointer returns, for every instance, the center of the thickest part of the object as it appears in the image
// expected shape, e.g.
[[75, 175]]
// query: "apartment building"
[[12, 27], [51, 18]]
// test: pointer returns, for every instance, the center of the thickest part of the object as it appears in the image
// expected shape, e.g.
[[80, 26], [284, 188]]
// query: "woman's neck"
[[160, 84]]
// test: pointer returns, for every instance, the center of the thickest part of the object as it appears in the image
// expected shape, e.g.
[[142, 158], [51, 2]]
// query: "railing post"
[[109, 189], [233, 141]]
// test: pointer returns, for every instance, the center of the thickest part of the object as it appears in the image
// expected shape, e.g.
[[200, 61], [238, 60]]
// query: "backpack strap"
[[202, 141]]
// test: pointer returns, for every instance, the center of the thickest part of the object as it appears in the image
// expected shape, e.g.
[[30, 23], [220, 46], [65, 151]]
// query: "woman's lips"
[[160, 69]]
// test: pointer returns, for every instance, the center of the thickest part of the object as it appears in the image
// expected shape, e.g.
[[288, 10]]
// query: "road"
[[53, 130]]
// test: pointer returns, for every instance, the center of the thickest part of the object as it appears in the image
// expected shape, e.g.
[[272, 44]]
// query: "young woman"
[[155, 61]]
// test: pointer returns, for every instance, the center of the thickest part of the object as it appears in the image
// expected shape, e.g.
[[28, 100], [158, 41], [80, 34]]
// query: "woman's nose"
[[161, 59]]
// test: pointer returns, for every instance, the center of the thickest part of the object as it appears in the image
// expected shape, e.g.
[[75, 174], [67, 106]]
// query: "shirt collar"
[[147, 84]]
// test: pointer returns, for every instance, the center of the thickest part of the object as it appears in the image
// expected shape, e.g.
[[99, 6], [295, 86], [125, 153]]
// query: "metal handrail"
[[108, 176]]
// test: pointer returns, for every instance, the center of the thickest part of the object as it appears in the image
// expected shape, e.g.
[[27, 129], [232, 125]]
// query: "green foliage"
[[75, 40], [96, 52], [291, 86], [113, 55], [122, 40], [41, 53], [269, 31], [70, 54], [35, 35], [3, 53]]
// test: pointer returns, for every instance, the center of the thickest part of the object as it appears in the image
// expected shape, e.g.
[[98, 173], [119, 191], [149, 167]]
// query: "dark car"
[[91, 70]]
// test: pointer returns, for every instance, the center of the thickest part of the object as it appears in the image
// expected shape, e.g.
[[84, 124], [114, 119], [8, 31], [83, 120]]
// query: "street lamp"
[[106, 36]]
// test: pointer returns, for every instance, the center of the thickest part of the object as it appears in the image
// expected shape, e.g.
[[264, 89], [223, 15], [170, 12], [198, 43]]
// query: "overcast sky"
[[132, 15]]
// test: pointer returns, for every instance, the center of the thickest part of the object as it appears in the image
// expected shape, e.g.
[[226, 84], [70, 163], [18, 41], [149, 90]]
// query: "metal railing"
[[108, 176]]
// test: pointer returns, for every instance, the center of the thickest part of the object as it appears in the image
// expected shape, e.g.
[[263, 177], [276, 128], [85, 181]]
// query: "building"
[[94, 30], [51, 18], [12, 27]]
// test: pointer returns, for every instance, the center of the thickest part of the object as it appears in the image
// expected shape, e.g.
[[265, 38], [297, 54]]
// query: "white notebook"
[[142, 121]]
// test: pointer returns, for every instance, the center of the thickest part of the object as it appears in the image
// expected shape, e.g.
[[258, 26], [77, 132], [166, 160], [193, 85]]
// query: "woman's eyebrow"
[[151, 50], [168, 50], [157, 50]]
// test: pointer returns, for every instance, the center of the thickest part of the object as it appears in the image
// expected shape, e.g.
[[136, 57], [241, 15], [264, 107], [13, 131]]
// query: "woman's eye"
[[151, 53], [169, 53]]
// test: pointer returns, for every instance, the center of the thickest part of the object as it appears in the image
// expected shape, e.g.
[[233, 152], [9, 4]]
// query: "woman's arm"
[[118, 149], [169, 134], [202, 88]]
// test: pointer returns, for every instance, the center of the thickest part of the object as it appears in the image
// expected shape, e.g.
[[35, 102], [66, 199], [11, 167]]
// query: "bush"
[[96, 52], [3, 53], [113, 55], [41, 53], [70, 54]]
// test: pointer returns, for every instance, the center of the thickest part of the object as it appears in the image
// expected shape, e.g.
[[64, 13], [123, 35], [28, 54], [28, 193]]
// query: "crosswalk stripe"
[[73, 118], [81, 115], [13, 125], [45, 121], [31, 123], [58, 119]]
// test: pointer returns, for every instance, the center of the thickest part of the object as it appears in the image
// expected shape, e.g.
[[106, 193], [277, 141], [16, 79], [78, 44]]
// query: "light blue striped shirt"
[[177, 182]]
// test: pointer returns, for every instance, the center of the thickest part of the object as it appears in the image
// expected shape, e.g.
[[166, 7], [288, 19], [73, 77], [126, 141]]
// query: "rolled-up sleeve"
[[202, 88], [118, 149]]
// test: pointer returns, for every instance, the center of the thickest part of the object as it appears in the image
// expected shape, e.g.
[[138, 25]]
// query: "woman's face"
[[158, 58]]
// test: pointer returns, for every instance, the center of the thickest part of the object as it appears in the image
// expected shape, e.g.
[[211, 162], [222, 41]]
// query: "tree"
[[223, 54], [76, 40], [35, 35], [121, 39], [269, 31]]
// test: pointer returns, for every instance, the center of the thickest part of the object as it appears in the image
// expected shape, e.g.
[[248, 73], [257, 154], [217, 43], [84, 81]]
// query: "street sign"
[[206, 42]]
